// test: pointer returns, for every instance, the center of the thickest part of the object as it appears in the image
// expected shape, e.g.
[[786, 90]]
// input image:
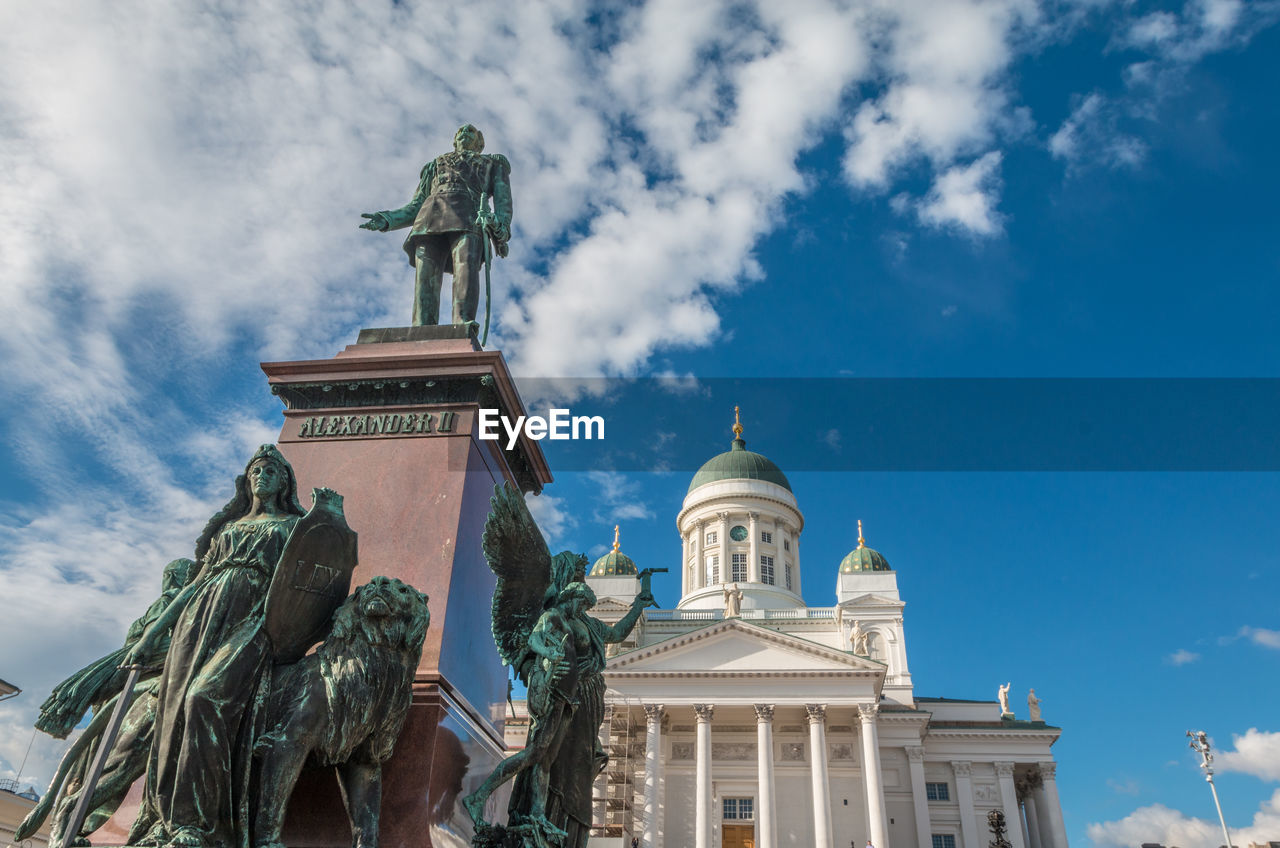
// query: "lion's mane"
[[368, 665]]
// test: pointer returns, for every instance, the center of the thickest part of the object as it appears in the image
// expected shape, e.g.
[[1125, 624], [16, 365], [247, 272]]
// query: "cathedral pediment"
[[736, 647], [870, 599], [609, 604]]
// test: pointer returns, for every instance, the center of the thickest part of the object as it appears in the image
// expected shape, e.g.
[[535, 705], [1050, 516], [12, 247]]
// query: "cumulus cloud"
[[1105, 129], [1182, 657], [1091, 134], [553, 517], [964, 198], [1261, 636], [1257, 752], [1161, 824], [617, 500]]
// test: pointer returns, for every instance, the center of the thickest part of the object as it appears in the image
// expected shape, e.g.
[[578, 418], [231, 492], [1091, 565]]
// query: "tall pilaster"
[[877, 817], [699, 554], [753, 558], [1009, 801], [766, 819], [702, 758], [818, 771], [919, 796], [652, 775], [964, 795], [1051, 811]]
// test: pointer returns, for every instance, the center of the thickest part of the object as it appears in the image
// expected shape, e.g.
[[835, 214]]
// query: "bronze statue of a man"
[[452, 225]]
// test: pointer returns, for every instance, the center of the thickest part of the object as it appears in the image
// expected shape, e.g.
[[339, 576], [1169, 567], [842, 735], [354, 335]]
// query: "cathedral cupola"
[[740, 526], [863, 558], [614, 563]]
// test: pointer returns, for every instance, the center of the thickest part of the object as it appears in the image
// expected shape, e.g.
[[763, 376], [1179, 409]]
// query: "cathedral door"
[[739, 836]]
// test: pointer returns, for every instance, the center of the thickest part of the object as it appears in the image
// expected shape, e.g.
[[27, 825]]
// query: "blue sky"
[[992, 188]]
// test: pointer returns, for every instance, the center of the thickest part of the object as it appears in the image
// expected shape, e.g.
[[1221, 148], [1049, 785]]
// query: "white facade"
[[766, 729]]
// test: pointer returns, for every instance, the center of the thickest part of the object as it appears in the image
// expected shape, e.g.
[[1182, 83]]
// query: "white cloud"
[[1091, 134], [964, 198], [1104, 130], [1257, 752], [552, 516], [1182, 657], [1158, 823], [618, 500], [1261, 636]]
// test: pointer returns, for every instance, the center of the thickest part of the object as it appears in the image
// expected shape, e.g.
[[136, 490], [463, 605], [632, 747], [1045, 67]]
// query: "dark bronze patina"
[[542, 630], [454, 228]]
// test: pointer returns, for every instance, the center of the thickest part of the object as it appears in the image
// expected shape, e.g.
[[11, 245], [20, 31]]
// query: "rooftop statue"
[[542, 630], [460, 216]]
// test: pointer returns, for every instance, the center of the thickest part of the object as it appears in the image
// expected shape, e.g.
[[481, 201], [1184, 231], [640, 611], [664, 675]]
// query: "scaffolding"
[[616, 795]]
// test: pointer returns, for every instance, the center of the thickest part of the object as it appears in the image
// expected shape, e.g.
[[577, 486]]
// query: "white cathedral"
[[744, 717]]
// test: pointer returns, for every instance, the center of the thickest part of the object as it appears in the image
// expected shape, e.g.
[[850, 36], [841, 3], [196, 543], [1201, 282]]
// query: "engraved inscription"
[[386, 424]]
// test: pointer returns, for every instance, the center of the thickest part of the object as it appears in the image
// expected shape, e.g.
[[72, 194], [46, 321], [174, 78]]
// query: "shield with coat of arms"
[[312, 578]]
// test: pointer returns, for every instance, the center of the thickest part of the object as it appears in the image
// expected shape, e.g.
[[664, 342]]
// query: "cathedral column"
[[818, 773], [964, 794], [726, 559], [1009, 802], [795, 550], [919, 796], [766, 823], [1051, 810], [652, 775], [699, 548], [702, 758], [1032, 816], [687, 564], [753, 558], [872, 780]]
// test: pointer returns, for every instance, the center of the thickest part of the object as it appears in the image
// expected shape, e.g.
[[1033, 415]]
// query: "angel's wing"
[[517, 553]]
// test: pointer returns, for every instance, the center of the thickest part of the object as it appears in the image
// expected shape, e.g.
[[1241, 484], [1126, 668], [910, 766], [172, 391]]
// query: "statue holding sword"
[[459, 216]]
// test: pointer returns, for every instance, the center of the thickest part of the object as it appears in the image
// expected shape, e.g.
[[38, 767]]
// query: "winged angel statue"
[[542, 630]]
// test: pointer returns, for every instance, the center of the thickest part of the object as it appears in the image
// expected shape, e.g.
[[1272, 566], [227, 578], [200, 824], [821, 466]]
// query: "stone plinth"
[[390, 423]]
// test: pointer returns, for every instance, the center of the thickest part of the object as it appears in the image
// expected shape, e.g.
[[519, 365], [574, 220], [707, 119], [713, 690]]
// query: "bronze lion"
[[343, 706]]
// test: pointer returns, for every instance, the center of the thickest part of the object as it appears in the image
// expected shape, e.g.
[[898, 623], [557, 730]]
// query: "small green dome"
[[863, 558], [614, 563], [738, 463]]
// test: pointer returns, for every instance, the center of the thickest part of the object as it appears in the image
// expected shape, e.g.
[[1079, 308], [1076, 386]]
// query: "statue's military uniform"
[[448, 196], [446, 235]]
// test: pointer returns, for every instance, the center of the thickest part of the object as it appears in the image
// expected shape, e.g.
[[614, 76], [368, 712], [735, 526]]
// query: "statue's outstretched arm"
[[621, 630], [395, 219]]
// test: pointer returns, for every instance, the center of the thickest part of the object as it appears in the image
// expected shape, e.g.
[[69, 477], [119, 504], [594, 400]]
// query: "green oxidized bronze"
[[542, 630], [223, 729], [343, 706], [98, 686], [454, 230]]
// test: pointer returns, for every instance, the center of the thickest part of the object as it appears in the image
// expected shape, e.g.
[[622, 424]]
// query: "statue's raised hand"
[[377, 221]]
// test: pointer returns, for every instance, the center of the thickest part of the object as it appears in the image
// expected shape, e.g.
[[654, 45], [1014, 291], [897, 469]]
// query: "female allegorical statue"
[[197, 787]]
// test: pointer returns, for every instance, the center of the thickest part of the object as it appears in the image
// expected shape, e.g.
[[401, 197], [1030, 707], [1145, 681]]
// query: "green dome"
[[738, 463], [863, 558], [613, 563]]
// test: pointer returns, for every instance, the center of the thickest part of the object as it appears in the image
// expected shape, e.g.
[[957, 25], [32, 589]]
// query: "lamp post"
[[1200, 744]]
